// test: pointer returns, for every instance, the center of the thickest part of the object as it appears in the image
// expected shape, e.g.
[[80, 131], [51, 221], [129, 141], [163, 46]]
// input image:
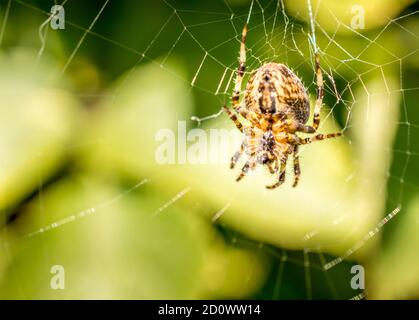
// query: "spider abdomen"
[[275, 89]]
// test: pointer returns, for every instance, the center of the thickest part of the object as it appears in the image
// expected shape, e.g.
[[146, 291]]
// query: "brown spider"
[[276, 106]]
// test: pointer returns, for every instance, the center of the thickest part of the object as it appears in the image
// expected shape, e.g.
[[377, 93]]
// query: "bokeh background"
[[80, 186]]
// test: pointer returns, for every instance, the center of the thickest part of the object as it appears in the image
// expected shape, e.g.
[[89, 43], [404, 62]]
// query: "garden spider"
[[276, 106]]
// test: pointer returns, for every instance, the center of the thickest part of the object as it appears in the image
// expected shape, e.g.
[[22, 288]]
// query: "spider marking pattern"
[[276, 107]]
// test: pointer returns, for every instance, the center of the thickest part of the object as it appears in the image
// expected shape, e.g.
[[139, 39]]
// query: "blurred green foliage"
[[73, 145]]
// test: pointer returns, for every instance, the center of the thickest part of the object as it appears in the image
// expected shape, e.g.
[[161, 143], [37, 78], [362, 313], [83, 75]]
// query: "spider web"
[[274, 35]]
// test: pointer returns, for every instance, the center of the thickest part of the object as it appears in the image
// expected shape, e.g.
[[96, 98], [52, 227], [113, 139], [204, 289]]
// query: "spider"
[[276, 107]]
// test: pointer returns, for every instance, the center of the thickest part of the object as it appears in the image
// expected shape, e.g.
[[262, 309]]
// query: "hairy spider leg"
[[236, 156], [273, 167], [249, 115], [320, 92], [319, 137], [250, 164], [234, 118], [281, 176], [250, 143], [297, 169], [293, 126], [240, 71]]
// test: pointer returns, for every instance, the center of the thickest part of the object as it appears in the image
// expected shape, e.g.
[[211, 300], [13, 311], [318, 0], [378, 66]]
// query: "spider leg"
[[304, 128], [293, 139], [236, 156], [281, 176], [320, 92], [249, 115], [274, 169], [234, 118], [294, 126], [240, 70], [319, 137], [250, 145], [250, 164], [297, 170], [252, 116], [296, 140]]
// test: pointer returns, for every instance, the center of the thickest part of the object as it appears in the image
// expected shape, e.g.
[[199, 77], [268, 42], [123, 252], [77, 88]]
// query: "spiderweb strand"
[[84, 213], [5, 18], [313, 29], [212, 116], [360, 296], [42, 32], [362, 242], [82, 38], [171, 201], [220, 212]]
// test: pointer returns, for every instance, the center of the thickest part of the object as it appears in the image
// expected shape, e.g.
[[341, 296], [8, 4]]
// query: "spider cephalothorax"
[[276, 106]]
